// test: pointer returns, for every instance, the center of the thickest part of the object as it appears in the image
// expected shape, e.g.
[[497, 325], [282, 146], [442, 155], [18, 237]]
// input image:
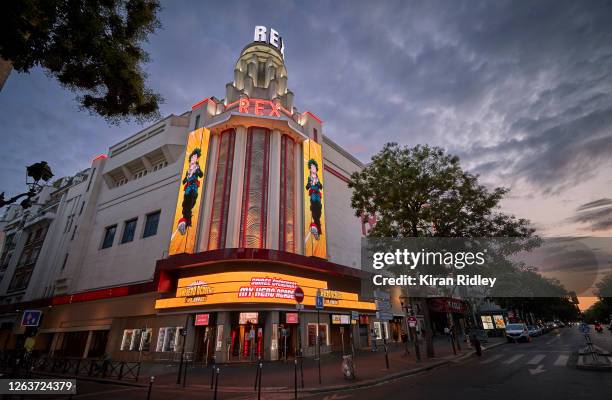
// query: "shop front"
[[446, 312], [250, 312]]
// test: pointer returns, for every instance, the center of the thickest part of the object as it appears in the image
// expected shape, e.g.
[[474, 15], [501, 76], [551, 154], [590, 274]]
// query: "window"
[[380, 329], [121, 181], [286, 221], [255, 189], [74, 232], [168, 339], [151, 224], [81, 209], [218, 218], [140, 174], [197, 122], [160, 165], [128, 230], [312, 335], [315, 134], [93, 171], [65, 261], [136, 340], [109, 236]]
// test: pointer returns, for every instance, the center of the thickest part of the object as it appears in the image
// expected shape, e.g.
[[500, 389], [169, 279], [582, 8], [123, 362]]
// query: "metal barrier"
[[108, 369]]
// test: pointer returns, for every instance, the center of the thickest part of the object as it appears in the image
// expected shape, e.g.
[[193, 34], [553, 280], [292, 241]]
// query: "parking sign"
[[31, 318]]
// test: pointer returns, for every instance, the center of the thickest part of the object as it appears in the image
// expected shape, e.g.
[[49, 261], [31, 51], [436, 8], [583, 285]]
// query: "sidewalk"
[[278, 376]]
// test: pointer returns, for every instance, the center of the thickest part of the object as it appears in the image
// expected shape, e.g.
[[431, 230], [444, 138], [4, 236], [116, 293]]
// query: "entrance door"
[[287, 345], [204, 343]]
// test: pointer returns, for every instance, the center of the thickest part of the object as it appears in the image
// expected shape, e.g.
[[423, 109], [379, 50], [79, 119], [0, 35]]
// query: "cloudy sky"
[[522, 91]]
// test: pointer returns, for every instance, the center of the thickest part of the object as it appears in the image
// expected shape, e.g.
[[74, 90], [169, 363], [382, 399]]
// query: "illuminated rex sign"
[[259, 107], [270, 36]]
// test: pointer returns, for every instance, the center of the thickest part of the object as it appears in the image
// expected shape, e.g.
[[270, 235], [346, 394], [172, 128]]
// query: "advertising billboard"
[[314, 200], [256, 287], [186, 216]]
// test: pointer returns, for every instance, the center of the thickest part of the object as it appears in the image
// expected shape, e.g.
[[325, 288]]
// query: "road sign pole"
[[319, 345]]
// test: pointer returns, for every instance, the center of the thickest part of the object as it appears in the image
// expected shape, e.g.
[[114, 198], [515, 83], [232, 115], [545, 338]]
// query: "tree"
[[424, 192], [92, 47]]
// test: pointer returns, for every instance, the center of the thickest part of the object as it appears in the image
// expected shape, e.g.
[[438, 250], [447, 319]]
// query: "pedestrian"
[[475, 341], [374, 344]]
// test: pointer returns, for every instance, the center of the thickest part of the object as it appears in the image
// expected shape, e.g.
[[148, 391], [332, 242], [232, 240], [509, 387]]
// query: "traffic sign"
[[412, 322], [31, 318], [298, 294], [319, 303]]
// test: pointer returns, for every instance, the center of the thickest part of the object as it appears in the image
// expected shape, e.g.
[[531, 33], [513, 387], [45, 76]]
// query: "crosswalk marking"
[[513, 359], [536, 359], [491, 359], [562, 360]]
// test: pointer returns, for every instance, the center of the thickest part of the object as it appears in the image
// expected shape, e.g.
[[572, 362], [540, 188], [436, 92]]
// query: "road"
[[543, 369]]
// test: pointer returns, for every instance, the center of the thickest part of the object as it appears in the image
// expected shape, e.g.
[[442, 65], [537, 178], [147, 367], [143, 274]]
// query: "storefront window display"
[[312, 334], [168, 339]]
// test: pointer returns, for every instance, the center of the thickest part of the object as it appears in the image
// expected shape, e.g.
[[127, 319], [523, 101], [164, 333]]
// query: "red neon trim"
[[99, 157], [336, 173], [199, 103], [119, 291], [230, 105], [313, 116]]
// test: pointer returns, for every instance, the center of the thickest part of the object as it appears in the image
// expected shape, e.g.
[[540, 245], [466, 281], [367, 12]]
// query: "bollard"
[[213, 367], [151, 380], [295, 363], [216, 383], [185, 374], [257, 372], [386, 353], [259, 383]]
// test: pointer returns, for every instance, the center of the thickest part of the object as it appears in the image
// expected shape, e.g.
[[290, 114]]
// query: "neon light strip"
[[199, 103]]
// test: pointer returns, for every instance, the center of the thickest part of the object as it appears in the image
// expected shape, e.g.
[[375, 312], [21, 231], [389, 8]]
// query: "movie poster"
[[314, 200], [186, 217]]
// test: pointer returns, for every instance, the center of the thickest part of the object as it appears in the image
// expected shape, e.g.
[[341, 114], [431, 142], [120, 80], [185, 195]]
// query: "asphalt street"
[[543, 369]]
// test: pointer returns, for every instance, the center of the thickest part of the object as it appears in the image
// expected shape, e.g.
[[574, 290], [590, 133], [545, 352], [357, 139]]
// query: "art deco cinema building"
[[204, 223]]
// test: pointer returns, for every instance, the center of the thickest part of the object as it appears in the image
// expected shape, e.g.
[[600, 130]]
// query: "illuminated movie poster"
[[314, 200], [190, 194]]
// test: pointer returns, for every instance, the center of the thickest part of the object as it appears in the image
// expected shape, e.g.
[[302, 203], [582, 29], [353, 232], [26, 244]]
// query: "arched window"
[[286, 221], [223, 179], [255, 190]]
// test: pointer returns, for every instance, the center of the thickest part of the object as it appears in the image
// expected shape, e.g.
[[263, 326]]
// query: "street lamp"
[[34, 174]]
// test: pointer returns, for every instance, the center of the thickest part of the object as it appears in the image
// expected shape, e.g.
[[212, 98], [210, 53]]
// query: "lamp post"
[[34, 174]]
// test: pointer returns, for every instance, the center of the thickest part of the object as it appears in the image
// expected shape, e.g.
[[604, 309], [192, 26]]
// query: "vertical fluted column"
[[299, 198], [273, 191], [235, 200]]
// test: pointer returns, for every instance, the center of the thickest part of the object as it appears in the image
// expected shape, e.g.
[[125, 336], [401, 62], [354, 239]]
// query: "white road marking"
[[562, 360], [536, 359], [537, 370], [491, 359], [513, 358], [553, 339]]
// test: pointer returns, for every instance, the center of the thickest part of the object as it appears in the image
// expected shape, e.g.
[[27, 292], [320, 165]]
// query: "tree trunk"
[[5, 70], [427, 327]]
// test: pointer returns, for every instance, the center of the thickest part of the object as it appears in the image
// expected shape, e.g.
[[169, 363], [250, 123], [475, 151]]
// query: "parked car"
[[534, 330], [517, 333]]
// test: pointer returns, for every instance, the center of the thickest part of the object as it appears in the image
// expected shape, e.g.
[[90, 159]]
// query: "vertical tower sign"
[[186, 217], [314, 211]]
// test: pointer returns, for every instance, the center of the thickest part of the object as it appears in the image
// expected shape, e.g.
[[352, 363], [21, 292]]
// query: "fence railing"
[[107, 369]]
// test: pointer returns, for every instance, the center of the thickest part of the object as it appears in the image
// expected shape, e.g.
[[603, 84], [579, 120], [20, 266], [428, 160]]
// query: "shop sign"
[[487, 322], [291, 318], [444, 304], [259, 107], [248, 318], [499, 321], [341, 319], [412, 322], [256, 287], [201, 319]]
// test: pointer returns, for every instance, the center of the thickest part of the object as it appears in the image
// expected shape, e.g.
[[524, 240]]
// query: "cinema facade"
[[193, 234]]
